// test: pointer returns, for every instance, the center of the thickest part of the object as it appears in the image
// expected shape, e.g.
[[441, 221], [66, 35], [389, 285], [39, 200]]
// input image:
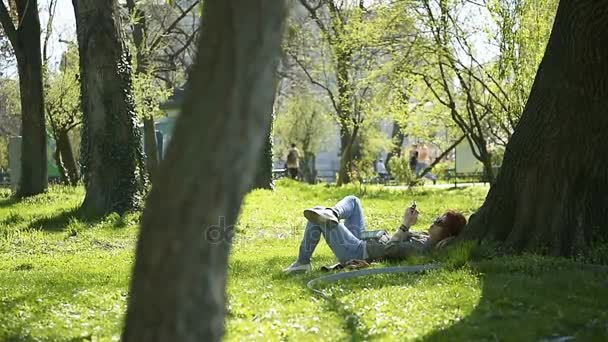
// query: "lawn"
[[63, 279]]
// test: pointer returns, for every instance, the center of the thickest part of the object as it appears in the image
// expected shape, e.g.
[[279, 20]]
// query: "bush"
[[441, 169], [400, 169]]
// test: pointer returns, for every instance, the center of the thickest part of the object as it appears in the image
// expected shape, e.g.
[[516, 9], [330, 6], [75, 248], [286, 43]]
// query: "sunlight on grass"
[[66, 279]]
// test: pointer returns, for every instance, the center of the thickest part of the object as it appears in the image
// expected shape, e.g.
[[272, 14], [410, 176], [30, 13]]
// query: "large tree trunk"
[[64, 145], [550, 195], [25, 39], [263, 178], [111, 142], [178, 287]]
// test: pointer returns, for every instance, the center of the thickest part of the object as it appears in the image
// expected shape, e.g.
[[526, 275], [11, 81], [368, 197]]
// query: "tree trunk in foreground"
[[25, 40], [178, 286], [111, 142], [550, 196]]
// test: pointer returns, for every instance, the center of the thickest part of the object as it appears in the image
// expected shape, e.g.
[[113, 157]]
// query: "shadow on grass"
[[352, 324], [18, 330], [62, 220], [534, 300], [8, 202], [42, 307]]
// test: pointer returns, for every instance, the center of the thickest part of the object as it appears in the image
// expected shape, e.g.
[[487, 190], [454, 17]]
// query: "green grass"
[[65, 279]]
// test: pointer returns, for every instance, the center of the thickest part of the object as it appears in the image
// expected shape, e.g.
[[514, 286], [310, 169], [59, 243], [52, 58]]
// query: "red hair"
[[453, 222]]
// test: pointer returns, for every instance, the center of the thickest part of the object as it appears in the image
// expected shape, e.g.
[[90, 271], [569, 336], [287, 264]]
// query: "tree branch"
[[157, 39], [441, 156], [312, 11], [8, 26], [315, 82]]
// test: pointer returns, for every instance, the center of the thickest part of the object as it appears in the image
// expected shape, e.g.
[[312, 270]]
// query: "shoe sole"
[[314, 217]]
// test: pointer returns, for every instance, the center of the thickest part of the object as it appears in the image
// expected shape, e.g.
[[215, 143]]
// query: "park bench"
[[5, 179], [279, 173], [479, 176]]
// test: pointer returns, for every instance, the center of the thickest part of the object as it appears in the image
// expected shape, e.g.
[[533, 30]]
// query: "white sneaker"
[[298, 268]]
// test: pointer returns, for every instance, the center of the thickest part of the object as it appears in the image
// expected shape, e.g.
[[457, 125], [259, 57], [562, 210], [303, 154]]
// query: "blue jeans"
[[343, 239]]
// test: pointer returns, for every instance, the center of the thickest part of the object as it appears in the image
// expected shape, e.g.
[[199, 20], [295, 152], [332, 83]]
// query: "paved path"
[[440, 186]]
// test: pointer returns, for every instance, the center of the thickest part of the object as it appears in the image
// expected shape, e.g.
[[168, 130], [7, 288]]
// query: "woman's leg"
[[350, 209], [340, 239]]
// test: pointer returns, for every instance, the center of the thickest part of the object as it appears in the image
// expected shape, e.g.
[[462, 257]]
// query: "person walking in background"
[[293, 161], [381, 171], [414, 158]]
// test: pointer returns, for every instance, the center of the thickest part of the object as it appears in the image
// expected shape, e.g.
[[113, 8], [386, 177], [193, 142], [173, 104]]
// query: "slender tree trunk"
[[397, 136], [346, 158], [550, 196], [140, 28], [63, 175], [111, 142], [64, 145], [33, 148], [488, 171], [150, 147], [345, 113], [309, 168], [178, 286], [25, 40], [263, 178]]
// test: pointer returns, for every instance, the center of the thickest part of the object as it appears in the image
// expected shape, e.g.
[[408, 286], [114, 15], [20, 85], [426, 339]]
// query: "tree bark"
[[63, 175], [140, 28], [150, 147], [25, 40], [111, 142], [347, 140], [550, 196], [64, 145], [345, 113], [263, 178], [178, 287], [309, 168]]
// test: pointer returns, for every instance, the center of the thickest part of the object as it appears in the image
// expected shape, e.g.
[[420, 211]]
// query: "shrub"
[[400, 169]]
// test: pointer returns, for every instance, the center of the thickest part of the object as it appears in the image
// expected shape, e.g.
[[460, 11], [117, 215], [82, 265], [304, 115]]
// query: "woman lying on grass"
[[345, 241]]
